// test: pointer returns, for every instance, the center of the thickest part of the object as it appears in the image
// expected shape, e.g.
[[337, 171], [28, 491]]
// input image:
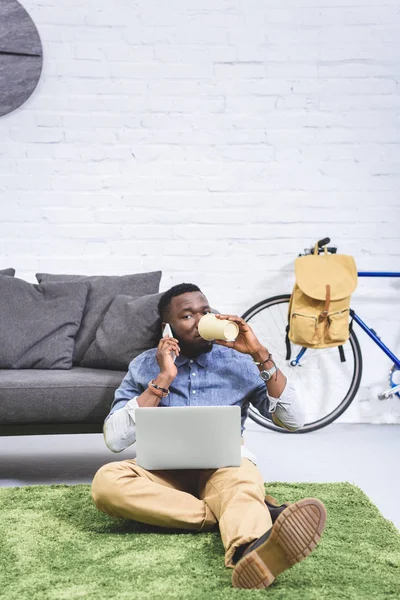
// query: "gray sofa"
[[66, 344]]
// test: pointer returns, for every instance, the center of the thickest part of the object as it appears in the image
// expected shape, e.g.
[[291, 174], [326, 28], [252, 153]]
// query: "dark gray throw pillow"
[[38, 323], [102, 291], [130, 326], [9, 272]]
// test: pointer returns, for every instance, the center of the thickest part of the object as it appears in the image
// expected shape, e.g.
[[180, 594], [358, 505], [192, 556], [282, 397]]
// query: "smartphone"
[[167, 332]]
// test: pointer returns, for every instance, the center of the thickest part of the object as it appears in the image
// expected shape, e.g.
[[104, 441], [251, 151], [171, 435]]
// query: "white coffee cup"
[[211, 328]]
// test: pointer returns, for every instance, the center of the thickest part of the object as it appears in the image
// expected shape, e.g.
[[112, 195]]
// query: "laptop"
[[188, 437]]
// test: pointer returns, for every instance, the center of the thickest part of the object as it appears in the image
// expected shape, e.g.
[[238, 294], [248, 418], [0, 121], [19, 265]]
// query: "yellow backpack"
[[319, 307]]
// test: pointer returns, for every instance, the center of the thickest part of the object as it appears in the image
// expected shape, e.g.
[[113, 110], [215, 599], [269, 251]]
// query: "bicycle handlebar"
[[320, 247], [323, 242]]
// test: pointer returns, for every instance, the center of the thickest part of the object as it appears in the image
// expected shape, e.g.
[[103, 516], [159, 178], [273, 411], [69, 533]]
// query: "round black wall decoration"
[[20, 56]]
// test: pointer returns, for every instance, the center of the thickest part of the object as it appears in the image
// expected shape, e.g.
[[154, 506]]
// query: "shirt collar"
[[201, 359]]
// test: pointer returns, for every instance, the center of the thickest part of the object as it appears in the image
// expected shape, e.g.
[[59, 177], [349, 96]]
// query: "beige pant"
[[198, 500]]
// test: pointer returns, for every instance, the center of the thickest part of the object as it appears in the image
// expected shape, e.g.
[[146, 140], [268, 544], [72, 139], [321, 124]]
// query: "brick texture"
[[214, 140]]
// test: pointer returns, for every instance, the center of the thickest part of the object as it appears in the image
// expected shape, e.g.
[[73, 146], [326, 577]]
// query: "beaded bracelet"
[[158, 390]]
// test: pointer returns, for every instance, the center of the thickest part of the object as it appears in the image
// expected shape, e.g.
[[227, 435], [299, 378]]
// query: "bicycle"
[[314, 372]]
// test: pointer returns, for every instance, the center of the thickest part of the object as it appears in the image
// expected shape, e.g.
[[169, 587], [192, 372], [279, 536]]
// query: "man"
[[200, 500]]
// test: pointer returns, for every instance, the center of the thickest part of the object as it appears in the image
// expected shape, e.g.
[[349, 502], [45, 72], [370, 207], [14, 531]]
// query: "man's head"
[[182, 306]]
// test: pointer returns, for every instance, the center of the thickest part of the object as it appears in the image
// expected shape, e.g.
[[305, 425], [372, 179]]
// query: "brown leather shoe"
[[294, 535], [274, 508]]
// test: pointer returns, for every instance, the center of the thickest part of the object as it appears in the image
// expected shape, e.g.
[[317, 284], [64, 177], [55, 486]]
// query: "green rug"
[[55, 544]]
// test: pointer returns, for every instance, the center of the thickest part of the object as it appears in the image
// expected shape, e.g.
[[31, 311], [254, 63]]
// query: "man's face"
[[184, 314]]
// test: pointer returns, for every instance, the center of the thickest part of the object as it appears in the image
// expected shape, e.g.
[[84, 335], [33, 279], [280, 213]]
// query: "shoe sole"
[[294, 535]]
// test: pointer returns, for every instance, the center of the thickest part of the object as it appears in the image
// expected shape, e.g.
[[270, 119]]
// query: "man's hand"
[[164, 358], [246, 341]]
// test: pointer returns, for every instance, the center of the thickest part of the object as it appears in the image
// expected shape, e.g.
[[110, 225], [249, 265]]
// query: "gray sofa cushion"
[[75, 396], [102, 291], [130, 326], [38, 323], [9, 272]]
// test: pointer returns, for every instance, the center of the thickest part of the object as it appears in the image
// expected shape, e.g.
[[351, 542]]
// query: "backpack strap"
[[351, 322], [340, 348], [324, 313], [287, 342]]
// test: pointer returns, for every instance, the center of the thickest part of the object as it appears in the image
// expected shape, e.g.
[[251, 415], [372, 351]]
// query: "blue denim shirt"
[[221, 377]]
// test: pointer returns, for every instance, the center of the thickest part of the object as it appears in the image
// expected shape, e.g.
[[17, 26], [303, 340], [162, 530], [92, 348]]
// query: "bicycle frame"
[[370, 332]]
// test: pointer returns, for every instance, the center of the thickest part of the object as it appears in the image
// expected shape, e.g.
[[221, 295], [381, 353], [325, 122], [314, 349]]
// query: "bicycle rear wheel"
[[325, 385]]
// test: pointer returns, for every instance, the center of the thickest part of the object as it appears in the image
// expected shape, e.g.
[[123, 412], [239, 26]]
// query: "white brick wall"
[[212, 139]]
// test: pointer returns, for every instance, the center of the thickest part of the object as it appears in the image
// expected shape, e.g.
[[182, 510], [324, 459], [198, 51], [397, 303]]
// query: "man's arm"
[[284, 405], [277, 383], [119, 427], [281, 400], [286, 410]]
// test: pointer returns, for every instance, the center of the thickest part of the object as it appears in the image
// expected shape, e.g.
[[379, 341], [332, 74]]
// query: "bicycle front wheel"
[[326, 386]]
